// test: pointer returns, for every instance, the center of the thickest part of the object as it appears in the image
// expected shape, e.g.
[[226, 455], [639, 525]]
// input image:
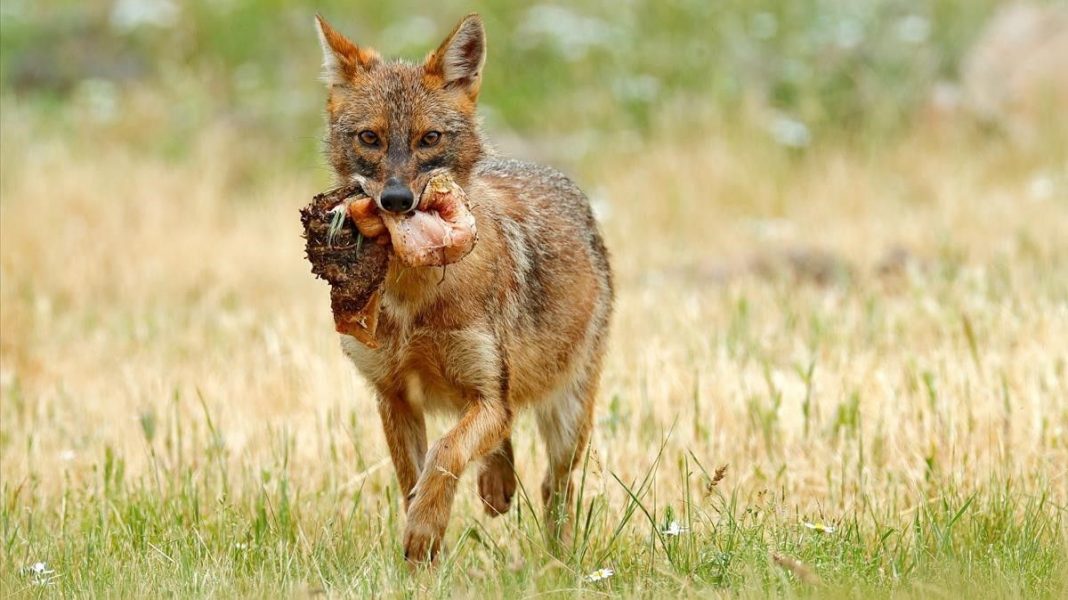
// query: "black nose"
[[397, 198]]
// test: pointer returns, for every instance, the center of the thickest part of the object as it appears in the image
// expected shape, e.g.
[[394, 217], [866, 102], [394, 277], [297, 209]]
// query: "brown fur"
[[521, 322]]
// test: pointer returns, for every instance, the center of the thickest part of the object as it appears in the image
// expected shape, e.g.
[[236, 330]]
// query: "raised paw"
[[496, 486]]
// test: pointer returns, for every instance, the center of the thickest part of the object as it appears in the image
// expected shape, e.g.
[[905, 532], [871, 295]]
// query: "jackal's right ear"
[[342, 60]]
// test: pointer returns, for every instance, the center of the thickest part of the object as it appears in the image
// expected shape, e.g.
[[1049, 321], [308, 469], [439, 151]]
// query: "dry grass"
[[852, 332]]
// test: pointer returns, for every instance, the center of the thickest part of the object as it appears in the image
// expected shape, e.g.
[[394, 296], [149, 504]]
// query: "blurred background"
[[840, 232], [563, 80]]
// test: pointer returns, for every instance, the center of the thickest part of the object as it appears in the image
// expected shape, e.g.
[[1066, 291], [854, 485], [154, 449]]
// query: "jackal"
[[520, 322]]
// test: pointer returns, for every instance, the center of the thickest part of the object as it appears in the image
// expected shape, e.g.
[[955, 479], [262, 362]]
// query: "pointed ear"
[[342, 60], [459, 59]]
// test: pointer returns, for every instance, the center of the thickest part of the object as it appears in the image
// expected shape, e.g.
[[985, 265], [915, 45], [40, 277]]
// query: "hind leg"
[[565, 423], [496, 480]]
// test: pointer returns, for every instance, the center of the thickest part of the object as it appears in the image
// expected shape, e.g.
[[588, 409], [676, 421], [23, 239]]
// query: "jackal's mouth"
[[440, 231]]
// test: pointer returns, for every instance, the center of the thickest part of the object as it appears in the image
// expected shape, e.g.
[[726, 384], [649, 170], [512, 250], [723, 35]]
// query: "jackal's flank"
[[520, 322]]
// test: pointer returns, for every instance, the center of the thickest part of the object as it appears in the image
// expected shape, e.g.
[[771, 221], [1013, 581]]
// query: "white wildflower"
[[675, 529], [600, 575], [40, 568], [820, 527], [41, 574]]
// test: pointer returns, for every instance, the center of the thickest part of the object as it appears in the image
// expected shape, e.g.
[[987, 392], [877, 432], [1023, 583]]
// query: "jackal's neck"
[[470, 155], [408, 289]]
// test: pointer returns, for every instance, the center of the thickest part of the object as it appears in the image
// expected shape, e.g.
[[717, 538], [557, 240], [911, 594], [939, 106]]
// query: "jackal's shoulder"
[[546, 213]]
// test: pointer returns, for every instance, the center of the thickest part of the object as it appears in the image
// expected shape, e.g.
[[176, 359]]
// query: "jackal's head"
[[392, 123]]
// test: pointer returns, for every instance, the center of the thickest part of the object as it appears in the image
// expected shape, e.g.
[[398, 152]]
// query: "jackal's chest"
[[441, 370]]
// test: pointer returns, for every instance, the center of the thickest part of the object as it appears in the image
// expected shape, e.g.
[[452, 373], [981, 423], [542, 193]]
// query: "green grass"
[[888, 434], [205, 531], [183, 423]]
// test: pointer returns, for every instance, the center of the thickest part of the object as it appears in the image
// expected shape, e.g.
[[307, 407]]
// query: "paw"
[[496, 487], [421, 545]]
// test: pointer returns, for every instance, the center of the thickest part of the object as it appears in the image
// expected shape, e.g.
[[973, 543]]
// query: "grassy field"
[[837, 368], [874, 344]]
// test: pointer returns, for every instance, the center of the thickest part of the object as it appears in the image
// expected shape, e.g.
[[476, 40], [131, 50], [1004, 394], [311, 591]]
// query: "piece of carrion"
[[440, 232], [354, 267]]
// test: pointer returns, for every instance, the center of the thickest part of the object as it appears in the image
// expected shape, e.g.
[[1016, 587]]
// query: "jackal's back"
[[556, 273]]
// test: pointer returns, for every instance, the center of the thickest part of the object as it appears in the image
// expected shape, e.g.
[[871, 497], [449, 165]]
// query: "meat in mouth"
[[441, 230]]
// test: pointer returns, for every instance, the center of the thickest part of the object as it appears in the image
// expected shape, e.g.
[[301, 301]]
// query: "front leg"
[[478, 365], [485, 423], [405, 430]]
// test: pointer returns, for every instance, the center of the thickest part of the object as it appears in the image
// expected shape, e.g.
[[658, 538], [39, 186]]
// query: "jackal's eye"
[[368, 137], [430, 139]]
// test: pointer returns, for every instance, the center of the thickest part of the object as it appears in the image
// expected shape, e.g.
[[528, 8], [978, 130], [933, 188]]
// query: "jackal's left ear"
[[342, 59], [459, 59]]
